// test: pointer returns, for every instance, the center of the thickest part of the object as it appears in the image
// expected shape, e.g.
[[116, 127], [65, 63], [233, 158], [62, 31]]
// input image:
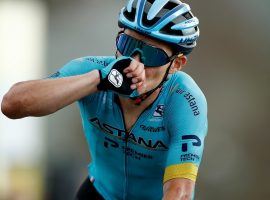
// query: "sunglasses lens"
[[152, 57], [125, 45]]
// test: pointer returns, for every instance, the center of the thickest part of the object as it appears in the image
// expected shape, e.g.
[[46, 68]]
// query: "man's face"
[[154, 75]]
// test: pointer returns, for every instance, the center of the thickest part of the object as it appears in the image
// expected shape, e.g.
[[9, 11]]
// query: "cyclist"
[[144, 119]]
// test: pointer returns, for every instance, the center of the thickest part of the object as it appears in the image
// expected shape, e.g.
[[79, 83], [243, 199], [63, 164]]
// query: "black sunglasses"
[[150, 55]]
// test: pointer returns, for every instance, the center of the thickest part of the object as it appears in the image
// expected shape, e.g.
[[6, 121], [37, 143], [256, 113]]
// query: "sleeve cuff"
[[185, 170]]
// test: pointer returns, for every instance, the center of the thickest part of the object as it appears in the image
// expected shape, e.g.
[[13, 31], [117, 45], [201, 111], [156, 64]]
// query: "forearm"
[[178, 189], [177, 194], [43, 97]]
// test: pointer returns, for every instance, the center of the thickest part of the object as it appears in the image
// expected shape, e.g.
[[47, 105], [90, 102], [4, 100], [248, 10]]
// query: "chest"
[[130, 117], [145, 131]]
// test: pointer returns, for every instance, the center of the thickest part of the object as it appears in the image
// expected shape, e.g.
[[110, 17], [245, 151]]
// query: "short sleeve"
[[186, 119], [83, 65]]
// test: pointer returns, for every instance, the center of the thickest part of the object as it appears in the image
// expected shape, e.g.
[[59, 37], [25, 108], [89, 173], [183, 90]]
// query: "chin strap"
[[144, 96]]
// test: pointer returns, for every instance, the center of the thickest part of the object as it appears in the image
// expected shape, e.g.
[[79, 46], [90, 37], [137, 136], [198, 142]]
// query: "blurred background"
[[46, 158]]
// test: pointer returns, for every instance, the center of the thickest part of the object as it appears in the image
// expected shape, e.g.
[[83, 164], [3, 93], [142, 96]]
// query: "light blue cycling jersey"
[[166, 142]]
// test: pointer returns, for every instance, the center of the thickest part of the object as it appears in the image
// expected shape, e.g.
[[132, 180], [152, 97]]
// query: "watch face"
[[116, 78]]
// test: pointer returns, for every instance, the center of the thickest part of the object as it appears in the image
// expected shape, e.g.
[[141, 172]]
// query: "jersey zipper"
[[126, 138], [126, 145]]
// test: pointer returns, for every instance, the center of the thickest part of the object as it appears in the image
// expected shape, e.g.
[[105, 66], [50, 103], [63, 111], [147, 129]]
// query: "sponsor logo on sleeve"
[[189, 157], [55, 75], [98, 61], [190, 140], [191, 101]]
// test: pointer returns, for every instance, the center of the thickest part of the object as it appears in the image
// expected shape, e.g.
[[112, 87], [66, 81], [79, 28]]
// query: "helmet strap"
[[138, 100]]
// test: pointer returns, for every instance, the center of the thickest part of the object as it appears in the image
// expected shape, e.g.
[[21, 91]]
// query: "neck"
[[130, 104]]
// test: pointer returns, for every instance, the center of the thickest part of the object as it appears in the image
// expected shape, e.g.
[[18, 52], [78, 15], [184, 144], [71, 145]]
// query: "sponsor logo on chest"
[[152, 144]]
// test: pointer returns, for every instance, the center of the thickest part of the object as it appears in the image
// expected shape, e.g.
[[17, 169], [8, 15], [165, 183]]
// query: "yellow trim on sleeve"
[[185, 170]]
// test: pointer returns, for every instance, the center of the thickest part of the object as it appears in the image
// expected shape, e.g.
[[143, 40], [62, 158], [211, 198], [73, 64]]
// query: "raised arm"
[[46, 96], [77, 79]]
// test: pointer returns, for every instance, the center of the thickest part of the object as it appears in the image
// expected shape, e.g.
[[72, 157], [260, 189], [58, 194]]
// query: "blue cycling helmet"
[[170, 21]]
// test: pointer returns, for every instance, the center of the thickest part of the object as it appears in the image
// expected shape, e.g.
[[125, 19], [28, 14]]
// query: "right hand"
[[123, 76]]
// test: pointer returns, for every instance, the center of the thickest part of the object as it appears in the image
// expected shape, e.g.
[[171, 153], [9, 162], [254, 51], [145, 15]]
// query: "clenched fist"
[[123, 76]]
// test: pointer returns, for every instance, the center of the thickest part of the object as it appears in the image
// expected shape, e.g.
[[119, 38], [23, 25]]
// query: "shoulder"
[[186, 108], [182, 80], [101, 61], [183, 91], [86, 64]]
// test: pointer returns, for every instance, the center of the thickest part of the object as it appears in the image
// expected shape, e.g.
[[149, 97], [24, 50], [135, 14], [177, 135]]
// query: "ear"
[[178, 63]]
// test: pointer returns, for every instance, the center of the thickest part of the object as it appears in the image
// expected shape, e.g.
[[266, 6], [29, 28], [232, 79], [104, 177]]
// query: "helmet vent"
[[170, 5], [150, 1], [188, 15], [145, 21], [179, 19], [130, 15], [149, 23], [167, 30]]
